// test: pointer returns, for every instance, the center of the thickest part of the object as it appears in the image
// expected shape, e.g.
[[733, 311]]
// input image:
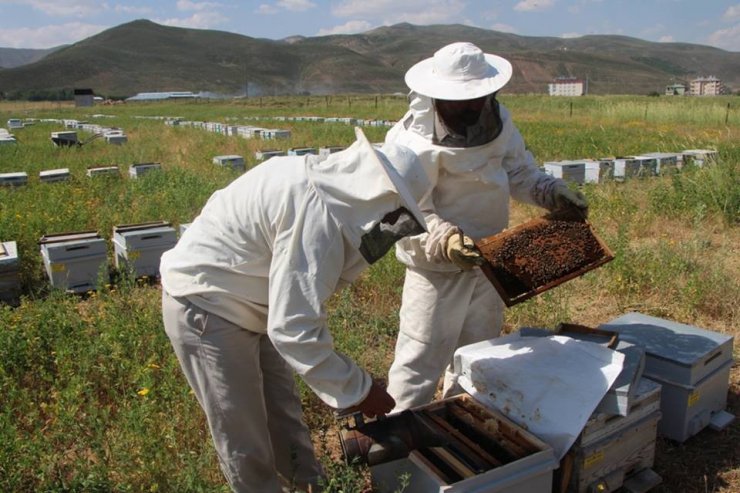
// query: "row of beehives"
[[330, 119], [20, 178], [69, 137], [674, 383], [112, 135], [245, 131], [622, 168], [136, 170], [77, 261]]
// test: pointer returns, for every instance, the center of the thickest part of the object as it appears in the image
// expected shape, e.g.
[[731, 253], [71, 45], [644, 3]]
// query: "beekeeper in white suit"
[[244, 292], [476, 159]]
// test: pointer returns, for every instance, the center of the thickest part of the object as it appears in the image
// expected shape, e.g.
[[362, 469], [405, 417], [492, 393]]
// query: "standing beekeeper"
[[476, 159], [244, 293]]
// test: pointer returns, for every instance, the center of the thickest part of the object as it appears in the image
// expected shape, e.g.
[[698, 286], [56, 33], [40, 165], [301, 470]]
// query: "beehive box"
[[14, 179], [592, 173], [64, 139], [267, 154], [621, 394], [698, 157], [479, 449], [139, 247], [691, 364], [116, 138], [666, 162], [626, 167], [612, 450], [573, 171], [103, 171], [54, 175], [140, 169], [273, 133], [232, 161], [14, 123], [9, 280], [648, 166], [302, 151], [538, 255], [73, 261]]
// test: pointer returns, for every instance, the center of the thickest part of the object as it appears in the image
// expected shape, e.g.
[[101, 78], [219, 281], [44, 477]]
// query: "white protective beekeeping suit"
[[244, 293], [443, 306]]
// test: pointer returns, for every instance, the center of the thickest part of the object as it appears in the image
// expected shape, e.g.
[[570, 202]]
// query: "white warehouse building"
[[567, 86]]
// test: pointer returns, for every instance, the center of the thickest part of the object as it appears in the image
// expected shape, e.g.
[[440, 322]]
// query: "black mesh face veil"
[[394, 226], [467, 123]]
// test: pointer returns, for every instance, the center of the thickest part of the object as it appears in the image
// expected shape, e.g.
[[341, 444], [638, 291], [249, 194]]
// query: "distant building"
[[567, 86], [675, 90], [84, 97], [708, 86]]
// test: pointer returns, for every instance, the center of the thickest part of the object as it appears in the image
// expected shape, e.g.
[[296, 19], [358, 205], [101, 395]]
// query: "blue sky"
[[47, 23]]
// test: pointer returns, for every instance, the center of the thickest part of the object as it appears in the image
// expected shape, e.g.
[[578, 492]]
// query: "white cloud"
[[504, 28], [187, 5], [727, 39], [48, 36], [295, 5], [266, 9], [284, 5], [199, 20], [130, 9], [571, 35], [64, 8], [350, 27], [533, 5], [666, 39], [732, 12], [394, 11]]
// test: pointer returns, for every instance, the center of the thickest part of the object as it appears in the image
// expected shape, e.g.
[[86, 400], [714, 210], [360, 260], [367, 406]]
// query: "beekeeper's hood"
[[361, 184]]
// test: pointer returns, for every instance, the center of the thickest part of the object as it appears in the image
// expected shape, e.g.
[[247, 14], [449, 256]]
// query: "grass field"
[[92, 398]]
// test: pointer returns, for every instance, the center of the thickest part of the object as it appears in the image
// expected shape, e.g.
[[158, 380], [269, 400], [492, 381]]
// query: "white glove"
[[461, 251], [568, 204]]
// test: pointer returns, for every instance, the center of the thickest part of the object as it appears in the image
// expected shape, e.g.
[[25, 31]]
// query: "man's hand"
[[461, 251], [569, 204], [378, 402]]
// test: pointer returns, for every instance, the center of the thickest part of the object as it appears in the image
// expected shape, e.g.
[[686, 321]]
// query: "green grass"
[[92, 395]]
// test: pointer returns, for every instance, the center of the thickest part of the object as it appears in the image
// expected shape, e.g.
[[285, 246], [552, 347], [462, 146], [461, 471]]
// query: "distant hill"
[[143, 56], [14, 57]]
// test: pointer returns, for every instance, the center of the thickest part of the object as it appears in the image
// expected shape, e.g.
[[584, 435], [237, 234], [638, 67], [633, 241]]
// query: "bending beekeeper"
[[476, 159], [244, 292]]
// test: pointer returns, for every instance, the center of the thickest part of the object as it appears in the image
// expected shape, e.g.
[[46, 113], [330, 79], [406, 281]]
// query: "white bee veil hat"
[[459, 71]]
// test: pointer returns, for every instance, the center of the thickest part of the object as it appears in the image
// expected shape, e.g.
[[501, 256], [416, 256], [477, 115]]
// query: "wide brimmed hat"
[[457, 72]]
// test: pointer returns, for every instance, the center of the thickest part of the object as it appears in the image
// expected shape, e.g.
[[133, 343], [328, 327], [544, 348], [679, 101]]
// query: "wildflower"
[[143, 391]]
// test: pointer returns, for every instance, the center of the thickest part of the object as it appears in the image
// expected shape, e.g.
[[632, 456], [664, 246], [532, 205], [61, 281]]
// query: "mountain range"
[[143, 56]]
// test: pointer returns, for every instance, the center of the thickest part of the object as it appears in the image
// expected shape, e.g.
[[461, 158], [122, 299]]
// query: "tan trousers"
[[249, 396]]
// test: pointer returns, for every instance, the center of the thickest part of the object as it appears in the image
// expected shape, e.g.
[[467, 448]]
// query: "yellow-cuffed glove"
[[461, 251]]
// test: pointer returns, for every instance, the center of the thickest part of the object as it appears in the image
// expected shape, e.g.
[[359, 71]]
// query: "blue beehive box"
[[691, 364]]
